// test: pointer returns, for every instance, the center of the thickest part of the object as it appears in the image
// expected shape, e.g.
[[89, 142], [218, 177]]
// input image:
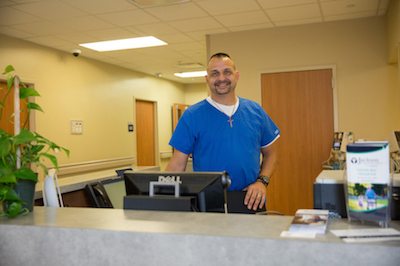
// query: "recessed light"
[[191, 74], [122, 44]]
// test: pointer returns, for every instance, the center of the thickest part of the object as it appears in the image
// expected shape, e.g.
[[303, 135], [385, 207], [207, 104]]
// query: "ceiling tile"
[[201, 35], [157, 28], [63, 24], [49, 41], [294, 12], [129, 18], [246, 18], [179, 47], [6, 3], [111, 34], [175, 38], [268, 4], [42, 28], [197, 24], [11, 16], [346, 6], [102, 6], [15, 33], [298, 22], [177, 12], [221, 7], [350, 16], [50, 10], [86, 23], [251, 27], [77, 37]]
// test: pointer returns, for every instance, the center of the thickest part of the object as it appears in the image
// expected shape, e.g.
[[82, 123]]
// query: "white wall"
[[368, 87]]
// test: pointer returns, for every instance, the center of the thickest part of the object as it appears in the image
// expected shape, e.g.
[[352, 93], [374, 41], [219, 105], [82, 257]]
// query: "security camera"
[[76, 52]]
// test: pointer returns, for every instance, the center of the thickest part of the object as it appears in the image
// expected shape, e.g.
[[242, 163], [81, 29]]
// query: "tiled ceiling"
[[64, 24]]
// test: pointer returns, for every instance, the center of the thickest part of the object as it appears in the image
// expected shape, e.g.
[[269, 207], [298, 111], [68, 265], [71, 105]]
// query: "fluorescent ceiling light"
[[191, 74], [123, 44]]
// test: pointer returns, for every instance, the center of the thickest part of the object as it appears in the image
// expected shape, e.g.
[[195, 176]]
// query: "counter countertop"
[[89, 236]]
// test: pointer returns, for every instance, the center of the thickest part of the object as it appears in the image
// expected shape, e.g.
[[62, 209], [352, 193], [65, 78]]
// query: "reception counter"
[[89, 236]]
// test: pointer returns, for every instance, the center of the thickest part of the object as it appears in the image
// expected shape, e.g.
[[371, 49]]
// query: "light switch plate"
[[76, 127]]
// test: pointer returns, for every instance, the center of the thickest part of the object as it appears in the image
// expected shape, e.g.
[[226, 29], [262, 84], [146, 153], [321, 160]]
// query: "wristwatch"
[[264, 179]]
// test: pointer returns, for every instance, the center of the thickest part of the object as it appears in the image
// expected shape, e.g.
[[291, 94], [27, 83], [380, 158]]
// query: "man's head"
[[222, 75]]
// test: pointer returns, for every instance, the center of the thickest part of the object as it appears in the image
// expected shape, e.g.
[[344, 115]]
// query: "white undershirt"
[[226, 109]]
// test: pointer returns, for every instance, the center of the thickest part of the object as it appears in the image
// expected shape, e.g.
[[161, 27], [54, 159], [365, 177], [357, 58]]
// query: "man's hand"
[[255, 196]]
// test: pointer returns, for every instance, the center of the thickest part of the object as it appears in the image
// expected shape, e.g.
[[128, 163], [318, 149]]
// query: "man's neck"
[[224, 99]]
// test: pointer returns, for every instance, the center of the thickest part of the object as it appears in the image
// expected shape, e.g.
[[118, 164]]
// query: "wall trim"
[[97, 165]]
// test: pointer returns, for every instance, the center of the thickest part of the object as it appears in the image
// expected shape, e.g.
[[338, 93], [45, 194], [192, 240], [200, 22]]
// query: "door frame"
[[307, 68], [32, 117], [155, 125]]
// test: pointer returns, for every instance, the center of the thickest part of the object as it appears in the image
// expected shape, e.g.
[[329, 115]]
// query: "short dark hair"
[[219, 55]]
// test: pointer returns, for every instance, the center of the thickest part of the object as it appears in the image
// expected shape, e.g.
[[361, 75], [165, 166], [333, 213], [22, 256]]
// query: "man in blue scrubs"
[[228, 133]]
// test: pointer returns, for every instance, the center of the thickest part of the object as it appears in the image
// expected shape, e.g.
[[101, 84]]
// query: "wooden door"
[[301, 104], [9, 110], [177, 112], [145, 133]]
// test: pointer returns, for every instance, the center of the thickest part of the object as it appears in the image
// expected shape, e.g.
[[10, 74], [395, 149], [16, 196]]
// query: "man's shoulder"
[[196, 106], [249, 103]]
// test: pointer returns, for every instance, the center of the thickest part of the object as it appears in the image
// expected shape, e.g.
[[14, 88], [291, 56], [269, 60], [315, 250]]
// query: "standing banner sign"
[[368, 184]]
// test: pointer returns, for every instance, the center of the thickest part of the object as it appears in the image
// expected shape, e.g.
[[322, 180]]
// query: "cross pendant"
[[230, 121]]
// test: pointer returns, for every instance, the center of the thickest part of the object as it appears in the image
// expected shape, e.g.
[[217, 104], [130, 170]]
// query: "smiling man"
[[228, 133]]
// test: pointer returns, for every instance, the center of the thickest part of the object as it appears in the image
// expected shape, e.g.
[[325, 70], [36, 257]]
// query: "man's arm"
[[256, 192], [178, 162]]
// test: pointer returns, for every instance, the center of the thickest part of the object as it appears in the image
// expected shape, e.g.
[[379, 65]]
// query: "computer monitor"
[[394, 141], [203, 191]]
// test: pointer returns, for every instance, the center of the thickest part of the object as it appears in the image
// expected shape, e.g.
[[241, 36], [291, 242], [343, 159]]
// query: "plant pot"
[[25, 190]]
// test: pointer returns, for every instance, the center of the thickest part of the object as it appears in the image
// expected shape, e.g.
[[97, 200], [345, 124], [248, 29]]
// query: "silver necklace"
[[230, 120]]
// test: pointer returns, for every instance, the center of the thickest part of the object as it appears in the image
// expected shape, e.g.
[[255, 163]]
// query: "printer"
[[329, 193]]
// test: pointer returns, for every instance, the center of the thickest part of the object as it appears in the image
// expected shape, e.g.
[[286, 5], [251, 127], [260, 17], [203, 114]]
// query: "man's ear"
[[237, 75]]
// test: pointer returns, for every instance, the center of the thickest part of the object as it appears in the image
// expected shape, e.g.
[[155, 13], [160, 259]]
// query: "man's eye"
[[215, 74]]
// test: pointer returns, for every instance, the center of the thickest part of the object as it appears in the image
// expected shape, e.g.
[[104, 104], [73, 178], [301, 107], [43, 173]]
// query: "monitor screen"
[[208, 189], [115, 189]]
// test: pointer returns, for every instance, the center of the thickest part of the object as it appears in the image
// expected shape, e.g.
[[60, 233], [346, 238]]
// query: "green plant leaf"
[[13, 196], [26, 92], [42, 166], [34, 106], [10, 82], [24, 137], [52, 158], [7, 176], [66, 151], [25, 173], [3, 192], [14, 209], [8, 69], [5, 146]]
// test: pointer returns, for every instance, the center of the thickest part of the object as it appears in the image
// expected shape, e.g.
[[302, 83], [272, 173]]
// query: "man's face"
[[221, 76]]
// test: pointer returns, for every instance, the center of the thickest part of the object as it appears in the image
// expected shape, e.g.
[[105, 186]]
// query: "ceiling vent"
[[189, 65], [153, 3]]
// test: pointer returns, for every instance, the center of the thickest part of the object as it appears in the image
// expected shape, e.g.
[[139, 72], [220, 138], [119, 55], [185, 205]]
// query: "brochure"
[[309, 221]]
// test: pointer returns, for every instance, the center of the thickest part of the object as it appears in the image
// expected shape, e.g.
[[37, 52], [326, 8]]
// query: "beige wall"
[[100, 94], [367, 86], [195, 92], [393, 30]]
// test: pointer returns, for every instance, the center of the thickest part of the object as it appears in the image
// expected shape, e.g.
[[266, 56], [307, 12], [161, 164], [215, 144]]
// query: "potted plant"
[[18, 152]]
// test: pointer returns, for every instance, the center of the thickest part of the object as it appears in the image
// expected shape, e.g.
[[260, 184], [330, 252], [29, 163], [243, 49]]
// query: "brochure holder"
[[368, 179]]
